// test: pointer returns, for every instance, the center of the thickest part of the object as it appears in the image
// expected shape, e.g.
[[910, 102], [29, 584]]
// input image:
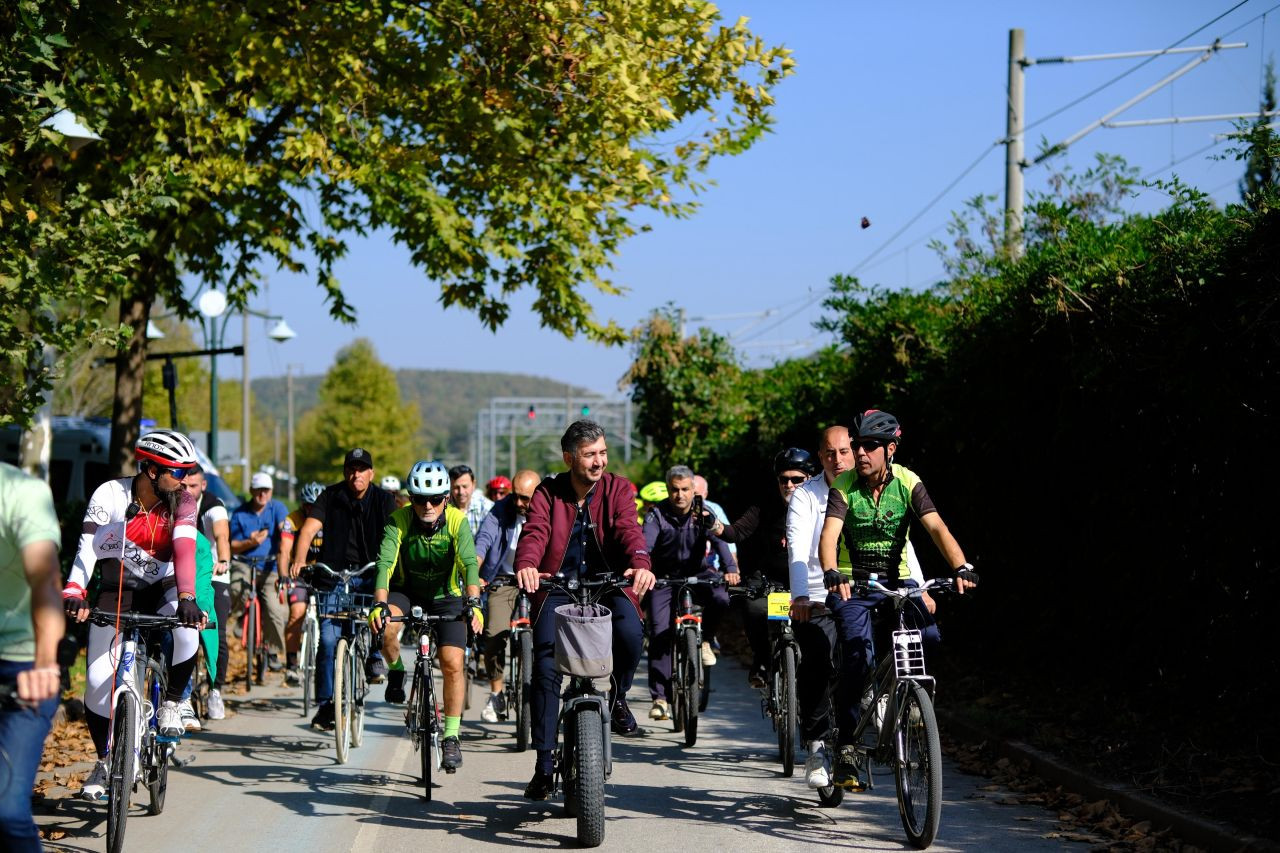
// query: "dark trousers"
[[755, 621], [817, 641], [857, 651], [222, 608], [659, 604], [628, 640], [22, 734]]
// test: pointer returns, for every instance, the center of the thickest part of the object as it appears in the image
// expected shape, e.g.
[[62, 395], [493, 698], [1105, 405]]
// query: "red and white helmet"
[[166, 447]]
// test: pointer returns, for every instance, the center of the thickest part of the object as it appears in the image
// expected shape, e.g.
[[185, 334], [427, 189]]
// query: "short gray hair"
[[679, 472], [580, 433]]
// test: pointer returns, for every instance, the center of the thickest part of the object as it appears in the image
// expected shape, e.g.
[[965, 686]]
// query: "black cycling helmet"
[[875, 424], [794, 459]]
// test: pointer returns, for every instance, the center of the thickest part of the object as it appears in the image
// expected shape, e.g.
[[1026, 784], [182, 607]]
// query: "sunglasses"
[[795, 481], [424, 500], [177, 473], [870, 445]]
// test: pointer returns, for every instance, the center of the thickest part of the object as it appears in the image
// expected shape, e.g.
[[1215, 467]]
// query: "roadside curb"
[[1204, 833]]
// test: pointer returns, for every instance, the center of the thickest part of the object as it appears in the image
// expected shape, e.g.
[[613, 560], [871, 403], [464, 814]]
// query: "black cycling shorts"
[[447, 633]]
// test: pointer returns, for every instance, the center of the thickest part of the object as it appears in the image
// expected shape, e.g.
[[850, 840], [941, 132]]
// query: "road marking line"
[[379, 804]]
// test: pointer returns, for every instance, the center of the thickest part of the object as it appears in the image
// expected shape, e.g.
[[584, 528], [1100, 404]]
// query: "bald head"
[[835, 451], [700, 486], [522, 486]]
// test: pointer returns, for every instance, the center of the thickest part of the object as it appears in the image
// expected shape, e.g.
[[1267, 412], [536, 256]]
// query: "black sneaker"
[[540, 787], [274, 664], [450, 754], [624, 722], [395, 687], [323, 720], [375, 668], [758, 677], [846, 770]]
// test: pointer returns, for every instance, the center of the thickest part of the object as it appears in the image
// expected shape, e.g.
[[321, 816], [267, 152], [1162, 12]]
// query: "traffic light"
[[533, 413], [586, 410]]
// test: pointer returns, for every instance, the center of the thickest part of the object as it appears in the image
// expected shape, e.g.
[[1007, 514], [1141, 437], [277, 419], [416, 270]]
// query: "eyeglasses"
[[178, 473], [870, 445], [795, 481], [423, 500]]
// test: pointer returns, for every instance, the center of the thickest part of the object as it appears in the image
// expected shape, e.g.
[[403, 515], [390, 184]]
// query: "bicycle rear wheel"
[[252, 638], [788, 713], [523, 676], [124, 734], [307, 662], [342, 701], [155, 754], [689, 678], [360, 687], [918, 768]]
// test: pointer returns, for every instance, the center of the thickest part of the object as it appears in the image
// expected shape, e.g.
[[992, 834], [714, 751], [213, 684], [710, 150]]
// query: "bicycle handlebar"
[[108, 619], [346, 574], [691, 581]]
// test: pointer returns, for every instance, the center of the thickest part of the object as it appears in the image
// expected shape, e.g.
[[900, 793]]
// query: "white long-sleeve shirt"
[[806, 513]]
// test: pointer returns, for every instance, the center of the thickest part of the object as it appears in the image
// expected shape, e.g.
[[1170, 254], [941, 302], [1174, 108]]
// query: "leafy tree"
[[359, 407], [1262, 165], [506, 144]]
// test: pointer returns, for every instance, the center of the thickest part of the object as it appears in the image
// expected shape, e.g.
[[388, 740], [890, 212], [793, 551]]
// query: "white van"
[[78, 458]]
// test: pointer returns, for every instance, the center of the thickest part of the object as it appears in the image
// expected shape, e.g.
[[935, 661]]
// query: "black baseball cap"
[[358, 458]]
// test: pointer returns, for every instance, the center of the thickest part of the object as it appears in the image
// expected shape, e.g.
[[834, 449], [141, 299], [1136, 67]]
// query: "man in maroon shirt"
[[581, 523]]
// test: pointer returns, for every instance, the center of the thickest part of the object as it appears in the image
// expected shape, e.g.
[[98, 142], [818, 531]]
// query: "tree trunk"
[[126, 409]]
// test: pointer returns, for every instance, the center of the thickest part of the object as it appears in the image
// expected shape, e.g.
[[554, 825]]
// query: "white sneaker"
[[708, 654], [816, 774], [216, 710], [190, 721], [95, 785], [660, 710], [490, 713], [169, 720]]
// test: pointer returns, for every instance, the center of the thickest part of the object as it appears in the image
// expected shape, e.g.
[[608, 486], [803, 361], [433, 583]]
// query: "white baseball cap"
[[261, 480]]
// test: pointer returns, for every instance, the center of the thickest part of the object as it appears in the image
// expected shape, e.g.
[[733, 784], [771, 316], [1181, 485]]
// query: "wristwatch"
[[186, 596]]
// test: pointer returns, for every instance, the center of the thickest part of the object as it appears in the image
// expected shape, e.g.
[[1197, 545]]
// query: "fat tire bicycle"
[[898, 728], [350, 682], [517, 685], [583, 758], [136, 750]]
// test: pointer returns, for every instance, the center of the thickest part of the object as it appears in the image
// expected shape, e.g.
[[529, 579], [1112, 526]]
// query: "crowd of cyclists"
[[158, 542]]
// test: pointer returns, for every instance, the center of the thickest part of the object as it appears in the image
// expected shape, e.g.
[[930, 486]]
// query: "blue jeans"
[[330, 631], [22, 734], [857, 650]]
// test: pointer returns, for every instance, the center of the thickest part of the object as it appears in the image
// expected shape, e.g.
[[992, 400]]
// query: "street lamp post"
[[279, 333], [212, 304]]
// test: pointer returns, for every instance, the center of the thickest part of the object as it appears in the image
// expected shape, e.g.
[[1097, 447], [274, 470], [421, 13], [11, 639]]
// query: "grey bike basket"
[[584, 640]]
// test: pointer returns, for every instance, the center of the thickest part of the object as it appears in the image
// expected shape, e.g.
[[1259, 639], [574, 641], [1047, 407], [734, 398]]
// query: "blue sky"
[[890, 102]]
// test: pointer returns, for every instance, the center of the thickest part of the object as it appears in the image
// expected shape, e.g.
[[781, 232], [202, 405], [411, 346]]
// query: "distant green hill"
[[447, 399]]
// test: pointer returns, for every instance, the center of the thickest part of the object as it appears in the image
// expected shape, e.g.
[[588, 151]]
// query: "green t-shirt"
[[26, 517], [876, 530], [204, 598], [427, 567]]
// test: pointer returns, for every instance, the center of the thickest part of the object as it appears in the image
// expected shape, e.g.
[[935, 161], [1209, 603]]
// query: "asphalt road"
[[255, 776]]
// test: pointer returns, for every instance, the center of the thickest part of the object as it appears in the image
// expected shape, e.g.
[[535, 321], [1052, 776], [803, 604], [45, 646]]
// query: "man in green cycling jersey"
[[872, 506], [428, 558]]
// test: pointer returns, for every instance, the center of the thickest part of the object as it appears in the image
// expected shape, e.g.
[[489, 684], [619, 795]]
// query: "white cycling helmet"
[[311, 492], [166, 447], [390, 483], [428, 478]]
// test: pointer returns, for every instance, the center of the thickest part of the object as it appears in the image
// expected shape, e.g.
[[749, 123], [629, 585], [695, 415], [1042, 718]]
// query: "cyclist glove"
[[189, 612]]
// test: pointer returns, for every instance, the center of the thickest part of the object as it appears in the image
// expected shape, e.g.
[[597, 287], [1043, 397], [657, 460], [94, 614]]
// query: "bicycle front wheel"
[[307, 662], [522, 678], [424, 737], [251, 640], [156, 764], [788, 712], [124, 745], [342, 700], [692, 659], [918, 769], [588, 754]]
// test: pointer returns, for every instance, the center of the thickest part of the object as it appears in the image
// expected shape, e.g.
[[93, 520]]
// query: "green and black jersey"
[[876, 531], [427, 565]]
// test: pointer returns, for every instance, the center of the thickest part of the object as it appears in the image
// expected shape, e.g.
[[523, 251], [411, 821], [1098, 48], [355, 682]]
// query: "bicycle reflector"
[[908, 654]]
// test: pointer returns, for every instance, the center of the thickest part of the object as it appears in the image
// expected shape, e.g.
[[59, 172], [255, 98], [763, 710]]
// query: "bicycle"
[[517, 685], [136, 749], [583, 759], [350, 683], [255, 653], [898, 728], [310, 646], [690, 680], [422, 716], [779, 703]]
